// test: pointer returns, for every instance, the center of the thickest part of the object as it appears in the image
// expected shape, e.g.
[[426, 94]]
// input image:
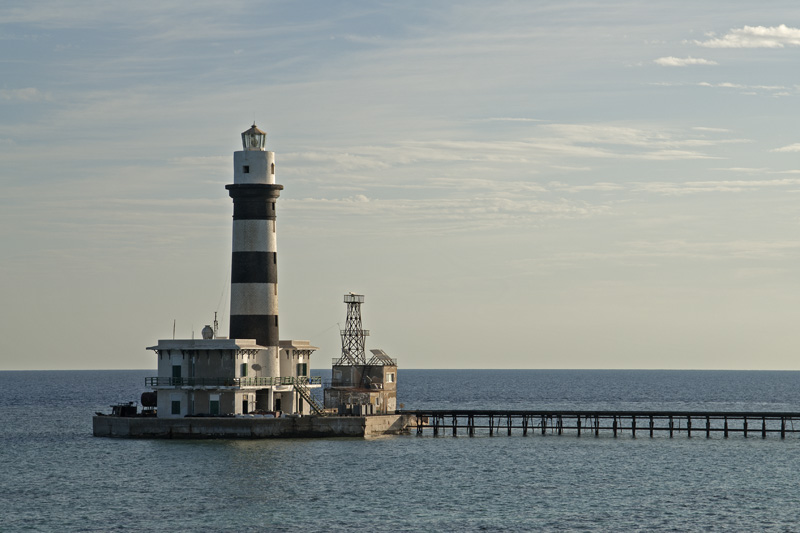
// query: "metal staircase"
[[305, 393]]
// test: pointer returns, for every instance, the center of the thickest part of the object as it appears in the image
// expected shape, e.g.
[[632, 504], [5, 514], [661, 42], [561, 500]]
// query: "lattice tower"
[[353, 336]]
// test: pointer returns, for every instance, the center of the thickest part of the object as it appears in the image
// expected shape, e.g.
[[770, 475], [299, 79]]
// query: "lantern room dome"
[[254, 138]]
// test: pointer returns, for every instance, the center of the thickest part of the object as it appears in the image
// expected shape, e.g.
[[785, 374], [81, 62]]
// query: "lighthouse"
[[254, 257], [251, 371], [251, 384]]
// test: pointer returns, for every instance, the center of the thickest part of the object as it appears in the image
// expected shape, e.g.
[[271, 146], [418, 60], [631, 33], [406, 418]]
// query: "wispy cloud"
[[746, 170], [714, 130], [790, 148], [441, 215], [768, 90], [27, 94], [729, 85], [594, 187], [512, 119], [756, 37], [671, 61], [696, 187], [345, 161], [714, 250]]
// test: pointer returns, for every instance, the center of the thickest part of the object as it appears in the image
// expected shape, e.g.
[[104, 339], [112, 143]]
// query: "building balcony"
[[230, 383]]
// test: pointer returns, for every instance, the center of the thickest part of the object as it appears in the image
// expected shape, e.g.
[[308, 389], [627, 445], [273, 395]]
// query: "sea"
[[55, 476]]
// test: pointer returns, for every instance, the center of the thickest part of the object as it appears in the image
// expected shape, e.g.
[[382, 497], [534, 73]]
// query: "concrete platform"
[[250, 427]]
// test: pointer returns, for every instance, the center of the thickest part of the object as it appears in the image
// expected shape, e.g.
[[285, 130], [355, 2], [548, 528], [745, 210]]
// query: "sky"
[[511, 184]]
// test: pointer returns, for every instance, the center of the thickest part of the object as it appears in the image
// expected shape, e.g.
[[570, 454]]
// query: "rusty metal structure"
[[353, 335]]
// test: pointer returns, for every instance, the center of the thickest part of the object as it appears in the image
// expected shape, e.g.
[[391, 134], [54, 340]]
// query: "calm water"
[[54, 476]]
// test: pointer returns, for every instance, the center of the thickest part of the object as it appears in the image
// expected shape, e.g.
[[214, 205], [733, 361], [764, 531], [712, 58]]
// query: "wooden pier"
[[597, 423]]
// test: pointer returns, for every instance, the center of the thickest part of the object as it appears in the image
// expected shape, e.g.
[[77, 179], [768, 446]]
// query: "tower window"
[[246, 169], [272, 168]]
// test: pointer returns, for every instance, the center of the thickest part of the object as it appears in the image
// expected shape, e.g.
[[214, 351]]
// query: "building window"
[[213, 404], [390, 377], [272, 169], [246, 169], [302, 369], [243, 370], [176, 407]]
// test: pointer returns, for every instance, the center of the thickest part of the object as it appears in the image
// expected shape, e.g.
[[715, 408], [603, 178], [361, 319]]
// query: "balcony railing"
[[231, 382]]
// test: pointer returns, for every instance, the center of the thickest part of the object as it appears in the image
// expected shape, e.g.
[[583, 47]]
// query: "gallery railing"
[[231, 382]]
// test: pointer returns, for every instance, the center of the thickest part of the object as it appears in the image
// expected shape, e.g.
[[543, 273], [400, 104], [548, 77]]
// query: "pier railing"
[[231, 382], [615, 423]]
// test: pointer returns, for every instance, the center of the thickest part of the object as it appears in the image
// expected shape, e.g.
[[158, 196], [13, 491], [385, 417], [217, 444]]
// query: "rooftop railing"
[[386, 362], [231, 382]]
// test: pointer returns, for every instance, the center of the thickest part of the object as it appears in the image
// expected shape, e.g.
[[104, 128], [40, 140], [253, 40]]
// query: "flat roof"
[[225, 344], [297, 345], [206, 344]]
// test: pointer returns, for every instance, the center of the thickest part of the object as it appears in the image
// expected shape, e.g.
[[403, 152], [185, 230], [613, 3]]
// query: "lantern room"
[[254, 138]]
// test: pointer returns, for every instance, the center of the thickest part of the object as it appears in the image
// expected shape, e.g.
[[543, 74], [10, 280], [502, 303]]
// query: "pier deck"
[[616, 423]]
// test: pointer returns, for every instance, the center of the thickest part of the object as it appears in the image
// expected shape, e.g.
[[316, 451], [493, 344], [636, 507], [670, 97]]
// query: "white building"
[[225, 377]]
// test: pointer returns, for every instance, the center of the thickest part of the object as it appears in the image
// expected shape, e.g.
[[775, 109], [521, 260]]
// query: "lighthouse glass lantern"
[[254, 138]]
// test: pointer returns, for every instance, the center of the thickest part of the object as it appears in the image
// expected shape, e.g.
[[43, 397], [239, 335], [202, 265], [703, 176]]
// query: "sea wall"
[[249, 427]]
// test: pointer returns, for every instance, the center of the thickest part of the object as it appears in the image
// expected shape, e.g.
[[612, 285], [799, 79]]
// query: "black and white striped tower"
[[254, 264]]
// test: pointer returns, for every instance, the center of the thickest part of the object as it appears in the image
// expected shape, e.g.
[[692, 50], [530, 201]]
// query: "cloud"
[[756, 37], [729, 85], [791, 148], [695, 187], [27, 94], [772, 90], [440, 215], [715, 130], [741, 249], [594, 187], [512, 119], [682, 61], [345, 161], [202, 161], [748, 170]]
